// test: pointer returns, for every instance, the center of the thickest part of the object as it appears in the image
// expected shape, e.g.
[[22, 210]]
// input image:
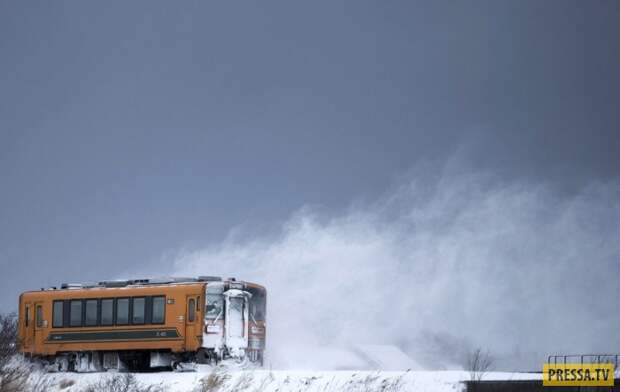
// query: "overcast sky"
[[132, 129]]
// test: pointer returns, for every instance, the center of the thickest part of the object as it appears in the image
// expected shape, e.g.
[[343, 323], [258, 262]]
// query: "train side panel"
[[180, 331]]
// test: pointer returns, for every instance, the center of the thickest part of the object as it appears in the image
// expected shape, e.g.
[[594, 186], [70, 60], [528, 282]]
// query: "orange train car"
[[137, 324]]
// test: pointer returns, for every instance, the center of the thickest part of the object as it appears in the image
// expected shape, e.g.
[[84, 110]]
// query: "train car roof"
[[141, 283]]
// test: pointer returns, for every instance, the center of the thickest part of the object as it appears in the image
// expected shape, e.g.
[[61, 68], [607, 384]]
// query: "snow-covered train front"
[[235, 320]]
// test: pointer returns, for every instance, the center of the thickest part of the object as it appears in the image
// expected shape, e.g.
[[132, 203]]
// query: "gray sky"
[[130, 129]]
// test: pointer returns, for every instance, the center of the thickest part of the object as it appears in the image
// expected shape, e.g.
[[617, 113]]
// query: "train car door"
[[192, 325], [28, 326], [236, 322], [39, 324]]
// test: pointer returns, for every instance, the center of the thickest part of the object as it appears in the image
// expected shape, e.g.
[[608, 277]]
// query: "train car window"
[[215, 303], [148, 310], [191, 314], [159, 308], [39, 316], [27, 316], [75, 320], [258, 303], [122, 311], [107, 311], [90, 318], [137, 316], [57, 314], [66, 313]]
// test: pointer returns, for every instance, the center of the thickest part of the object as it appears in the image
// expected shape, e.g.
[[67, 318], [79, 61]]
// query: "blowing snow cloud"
[[440, 265]]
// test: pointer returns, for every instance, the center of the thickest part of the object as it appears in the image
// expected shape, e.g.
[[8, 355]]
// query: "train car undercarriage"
[[139, 360]]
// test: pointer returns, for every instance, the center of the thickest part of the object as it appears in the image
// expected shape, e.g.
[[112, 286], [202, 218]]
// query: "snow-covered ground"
[[229, 377], [225, 379]]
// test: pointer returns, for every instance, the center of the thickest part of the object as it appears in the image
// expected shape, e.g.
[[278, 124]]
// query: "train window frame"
[[163, 318], [113, 318], [116, 310], [81, 302], [191, 310], [96, 322], [56, 312], [27, 316], [133, 310], [38, 313]]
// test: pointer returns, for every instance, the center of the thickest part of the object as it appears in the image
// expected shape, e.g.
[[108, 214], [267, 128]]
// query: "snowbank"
[[227, 380]]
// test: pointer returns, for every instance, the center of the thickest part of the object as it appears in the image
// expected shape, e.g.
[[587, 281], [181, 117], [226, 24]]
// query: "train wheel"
[[184, 367], [62, 364], [203, 357]]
